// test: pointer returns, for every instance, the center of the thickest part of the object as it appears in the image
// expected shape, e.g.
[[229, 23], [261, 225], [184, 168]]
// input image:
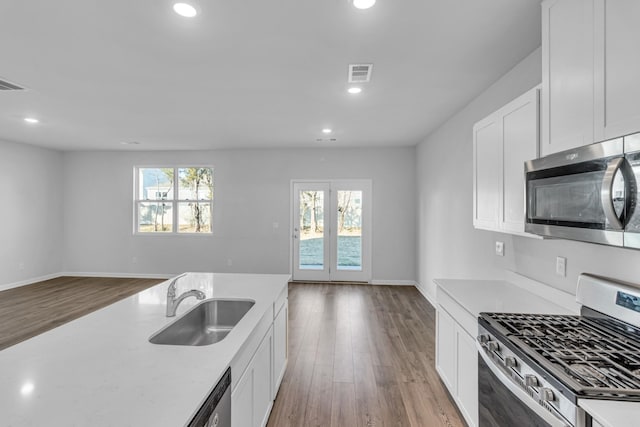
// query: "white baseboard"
[[426, 296], [394, 282], [29, 281]]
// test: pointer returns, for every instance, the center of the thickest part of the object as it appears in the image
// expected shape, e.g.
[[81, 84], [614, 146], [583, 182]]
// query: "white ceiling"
[[249, 73]]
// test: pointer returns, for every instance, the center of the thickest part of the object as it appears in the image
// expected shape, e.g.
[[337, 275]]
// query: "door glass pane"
[[349, 228], [311, 230]]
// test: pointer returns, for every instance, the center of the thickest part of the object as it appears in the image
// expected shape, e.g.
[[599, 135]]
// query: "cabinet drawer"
[[465, 319], [279, 302]]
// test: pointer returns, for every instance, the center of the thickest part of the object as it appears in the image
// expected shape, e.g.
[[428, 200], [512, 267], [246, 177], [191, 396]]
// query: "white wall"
[[251, 193], [449, 246], [31, 214]]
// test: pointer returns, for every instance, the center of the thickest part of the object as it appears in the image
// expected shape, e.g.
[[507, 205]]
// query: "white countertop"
[[100, 370], [497, 296], [610, 413]]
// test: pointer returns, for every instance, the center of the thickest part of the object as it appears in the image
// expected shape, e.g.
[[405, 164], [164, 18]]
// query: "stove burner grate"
[[594, 354]]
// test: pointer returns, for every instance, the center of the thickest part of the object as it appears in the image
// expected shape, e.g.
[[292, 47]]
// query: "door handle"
[[606, 193], [607, 196]]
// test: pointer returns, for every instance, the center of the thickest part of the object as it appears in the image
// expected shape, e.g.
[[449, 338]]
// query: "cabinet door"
[[617, 68], [242, 401], [467, 377], [520, 126], [279, 348], [487, 173], [567, 74], [262, 390], [446, 349]]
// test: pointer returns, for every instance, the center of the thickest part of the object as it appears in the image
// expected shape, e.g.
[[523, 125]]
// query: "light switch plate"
[[500, 248], [561, 266]]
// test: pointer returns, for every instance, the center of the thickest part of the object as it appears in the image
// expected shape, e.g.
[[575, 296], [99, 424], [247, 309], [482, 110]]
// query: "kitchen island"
[[101, 370]]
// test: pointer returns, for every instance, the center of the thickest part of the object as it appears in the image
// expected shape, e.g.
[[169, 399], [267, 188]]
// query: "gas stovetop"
[[593, 355]]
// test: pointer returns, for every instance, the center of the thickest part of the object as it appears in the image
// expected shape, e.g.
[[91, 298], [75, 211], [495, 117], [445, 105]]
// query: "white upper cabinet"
[[520, 129], [487, 166], [567, 74], [502, 142], [617, 68], [590, 69]]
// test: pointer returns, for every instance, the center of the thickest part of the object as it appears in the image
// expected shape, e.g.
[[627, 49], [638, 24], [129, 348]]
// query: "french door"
[[331, 230]]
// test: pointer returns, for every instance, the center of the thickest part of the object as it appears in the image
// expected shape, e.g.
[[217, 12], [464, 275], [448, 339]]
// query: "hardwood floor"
[[30, 310], [361, 355]]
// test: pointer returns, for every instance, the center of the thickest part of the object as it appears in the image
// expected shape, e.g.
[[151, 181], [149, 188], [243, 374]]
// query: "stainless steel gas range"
[[533, 368]]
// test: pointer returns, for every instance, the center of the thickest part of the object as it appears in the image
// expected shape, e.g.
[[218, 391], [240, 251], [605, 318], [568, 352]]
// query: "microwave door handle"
[[630, 190], [606, 193]]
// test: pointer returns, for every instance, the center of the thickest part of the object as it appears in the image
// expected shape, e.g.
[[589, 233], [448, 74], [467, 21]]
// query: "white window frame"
[[173, 202]]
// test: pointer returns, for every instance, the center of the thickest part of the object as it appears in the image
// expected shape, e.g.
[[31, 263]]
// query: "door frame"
[[364, 185]]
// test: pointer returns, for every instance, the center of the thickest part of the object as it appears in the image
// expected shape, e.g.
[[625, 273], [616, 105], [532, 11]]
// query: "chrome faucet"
[[173, 302]]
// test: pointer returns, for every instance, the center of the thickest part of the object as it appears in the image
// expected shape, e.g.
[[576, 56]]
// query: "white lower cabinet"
[[258, 369], [251, 401], [467, 375], [446, 349], [279, 347], [457, 364], [242, 400]]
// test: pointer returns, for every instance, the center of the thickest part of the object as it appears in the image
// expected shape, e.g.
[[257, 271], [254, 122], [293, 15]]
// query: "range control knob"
[[510, 362], [531, 380], [493, 346], [484, 338], [546, 395]]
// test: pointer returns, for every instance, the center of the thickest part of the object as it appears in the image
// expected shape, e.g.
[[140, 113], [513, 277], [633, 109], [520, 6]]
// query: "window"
[[173, 200]]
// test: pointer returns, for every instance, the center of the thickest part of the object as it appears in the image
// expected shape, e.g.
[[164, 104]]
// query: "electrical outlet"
[[134, 260], [229, 262], [561, 266], [21, 266], [500, 248]]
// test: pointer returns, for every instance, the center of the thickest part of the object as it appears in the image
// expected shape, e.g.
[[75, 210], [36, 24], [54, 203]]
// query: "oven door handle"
[[520, 394]]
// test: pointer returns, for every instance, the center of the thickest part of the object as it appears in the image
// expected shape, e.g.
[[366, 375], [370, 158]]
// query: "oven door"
[[582, 194], [502, 403]]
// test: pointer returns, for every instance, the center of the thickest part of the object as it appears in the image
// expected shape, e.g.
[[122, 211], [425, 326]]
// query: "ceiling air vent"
[[5, 85], [360, 73]]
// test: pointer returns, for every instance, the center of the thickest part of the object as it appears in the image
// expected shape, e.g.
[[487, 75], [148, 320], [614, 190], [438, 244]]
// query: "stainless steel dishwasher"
[[216, 410]]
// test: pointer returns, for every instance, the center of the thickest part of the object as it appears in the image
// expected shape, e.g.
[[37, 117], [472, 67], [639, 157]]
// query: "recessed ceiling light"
[[31, 120], [27, 389], [185, 9], [326, 130], [354, 90], [363, 4], [130, 143]]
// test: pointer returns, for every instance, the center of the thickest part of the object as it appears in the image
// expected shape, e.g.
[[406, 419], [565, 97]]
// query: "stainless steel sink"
[[206, 323]]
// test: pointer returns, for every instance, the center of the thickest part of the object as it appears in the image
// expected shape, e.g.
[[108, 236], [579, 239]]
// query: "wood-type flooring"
[[30, 310], [361, 355]]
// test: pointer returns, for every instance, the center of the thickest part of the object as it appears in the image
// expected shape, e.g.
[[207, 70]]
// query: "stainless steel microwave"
[[588, 193]]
